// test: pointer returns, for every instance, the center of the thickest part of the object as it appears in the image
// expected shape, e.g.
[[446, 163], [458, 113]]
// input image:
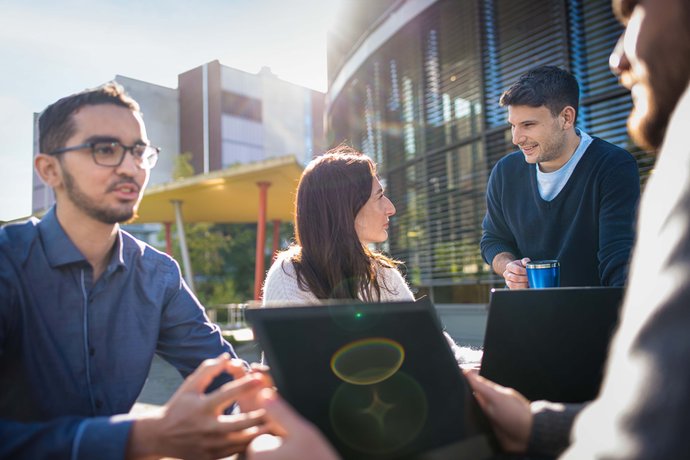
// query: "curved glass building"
[[415, 84]]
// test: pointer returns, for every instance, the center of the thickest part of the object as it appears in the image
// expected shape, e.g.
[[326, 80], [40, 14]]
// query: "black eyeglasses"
[[112, 153]]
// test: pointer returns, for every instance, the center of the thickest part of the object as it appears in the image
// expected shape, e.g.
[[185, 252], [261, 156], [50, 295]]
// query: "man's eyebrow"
[[100, 138], [521, 122]]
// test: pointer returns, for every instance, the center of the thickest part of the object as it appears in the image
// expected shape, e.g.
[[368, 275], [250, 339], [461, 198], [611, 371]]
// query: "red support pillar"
[[260, 239], [276, 238], [168, 239]]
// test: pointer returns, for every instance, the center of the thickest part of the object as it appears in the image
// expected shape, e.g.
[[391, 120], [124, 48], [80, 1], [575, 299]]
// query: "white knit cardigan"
[[281, 285], [282, 289]]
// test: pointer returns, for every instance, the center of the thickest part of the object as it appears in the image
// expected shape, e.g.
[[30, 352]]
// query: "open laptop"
[[550, 343], [379, 380]]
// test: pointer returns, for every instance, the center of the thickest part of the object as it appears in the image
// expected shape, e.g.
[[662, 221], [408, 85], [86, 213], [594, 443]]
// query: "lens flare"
[[380, 418], [354, 318], [368, 361]]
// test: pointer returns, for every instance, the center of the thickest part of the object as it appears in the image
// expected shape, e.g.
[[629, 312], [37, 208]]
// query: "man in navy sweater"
[[564, 195]]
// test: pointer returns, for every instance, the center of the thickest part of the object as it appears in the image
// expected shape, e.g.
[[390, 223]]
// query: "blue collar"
[[60, 250]]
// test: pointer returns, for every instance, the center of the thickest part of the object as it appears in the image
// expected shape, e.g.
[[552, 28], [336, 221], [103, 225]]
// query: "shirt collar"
[[584, 137], [60, 250], [118, 257], [58, 247]]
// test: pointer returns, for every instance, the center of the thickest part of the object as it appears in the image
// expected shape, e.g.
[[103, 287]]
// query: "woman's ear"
[[48, 168]]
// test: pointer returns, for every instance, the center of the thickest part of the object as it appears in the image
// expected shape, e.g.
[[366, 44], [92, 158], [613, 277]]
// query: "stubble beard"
[[552, 150], [91, 207]]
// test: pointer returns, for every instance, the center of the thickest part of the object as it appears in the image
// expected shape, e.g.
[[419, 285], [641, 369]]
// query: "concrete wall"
[[240, 82], [42, 196], [284, 113], [160, 109], [191, 124], [291, 115], [243, 140]]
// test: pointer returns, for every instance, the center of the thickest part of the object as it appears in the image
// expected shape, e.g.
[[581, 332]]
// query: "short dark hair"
[[55, 124], [548, 86]]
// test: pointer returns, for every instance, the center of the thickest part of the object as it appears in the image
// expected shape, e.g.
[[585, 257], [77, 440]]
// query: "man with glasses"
[[109, 152], [84, 306]]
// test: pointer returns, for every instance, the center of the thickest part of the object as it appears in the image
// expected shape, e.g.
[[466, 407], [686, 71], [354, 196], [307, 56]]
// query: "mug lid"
[[543, 264]]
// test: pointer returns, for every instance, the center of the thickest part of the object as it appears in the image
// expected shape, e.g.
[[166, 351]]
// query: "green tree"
[[222, 255], [222, 258], [182, 166]]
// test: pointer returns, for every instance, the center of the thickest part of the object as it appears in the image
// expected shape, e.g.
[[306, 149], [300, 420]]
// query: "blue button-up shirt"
[[74, 352]]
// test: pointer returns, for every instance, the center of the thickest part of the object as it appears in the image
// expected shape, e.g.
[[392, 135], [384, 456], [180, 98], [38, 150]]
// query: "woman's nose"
[[391, 208]]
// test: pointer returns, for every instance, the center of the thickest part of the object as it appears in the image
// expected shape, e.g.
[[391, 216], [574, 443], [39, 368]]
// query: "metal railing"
[[228, 316]]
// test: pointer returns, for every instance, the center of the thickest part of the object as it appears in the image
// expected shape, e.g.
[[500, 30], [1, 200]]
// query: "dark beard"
[[648, 132], [667, 87], [86, 204]]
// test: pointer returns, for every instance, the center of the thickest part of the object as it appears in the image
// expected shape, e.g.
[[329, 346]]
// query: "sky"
[[49, 49]]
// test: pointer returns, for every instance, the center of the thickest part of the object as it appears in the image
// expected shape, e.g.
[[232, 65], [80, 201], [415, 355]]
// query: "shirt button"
[[99, 404], [92, 351]]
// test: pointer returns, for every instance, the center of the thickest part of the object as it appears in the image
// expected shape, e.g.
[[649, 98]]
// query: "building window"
[[241, 106]]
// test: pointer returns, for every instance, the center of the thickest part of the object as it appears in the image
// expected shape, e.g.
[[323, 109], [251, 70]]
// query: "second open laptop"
[[379, 380], [550, 343]]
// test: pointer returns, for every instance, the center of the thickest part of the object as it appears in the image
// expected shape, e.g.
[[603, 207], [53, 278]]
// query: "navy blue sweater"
[[588, 226]]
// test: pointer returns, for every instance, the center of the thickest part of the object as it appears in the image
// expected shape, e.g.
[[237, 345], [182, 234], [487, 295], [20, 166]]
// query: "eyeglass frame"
[[125, 149]]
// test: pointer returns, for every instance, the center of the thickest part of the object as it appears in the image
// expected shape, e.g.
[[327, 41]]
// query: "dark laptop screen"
[[550, 343], [379, 380]]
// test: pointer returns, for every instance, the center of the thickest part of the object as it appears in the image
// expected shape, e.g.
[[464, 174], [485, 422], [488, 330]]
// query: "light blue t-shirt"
[[551, 183]]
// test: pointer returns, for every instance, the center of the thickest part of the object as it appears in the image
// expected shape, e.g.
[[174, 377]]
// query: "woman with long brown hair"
[[340, 210]]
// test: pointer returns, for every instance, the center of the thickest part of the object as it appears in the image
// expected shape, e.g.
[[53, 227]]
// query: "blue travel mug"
[[543, 273]]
